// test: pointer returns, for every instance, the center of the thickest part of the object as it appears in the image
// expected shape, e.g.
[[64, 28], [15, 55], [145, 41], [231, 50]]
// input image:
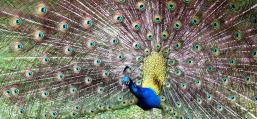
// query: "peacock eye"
[[166, 52], [183, 85], [76, 69], [198, 82], [29, 74], [45, 60], [149, 36], [225, 80], [215, 24], [54, 114], [166, 108], [22, 110], [189, 61], [178, 104], [77, 107], [45, 94], [162, 98], [232, 6], [139, 82], [124, 102], [106, 73], [209, 97], [247, 79], [232, 98], [44, 10], [177, 25], [120, 98], [210, 68], [147, 51], [195, 21], [64, 26], [141, 74], [18, 21], [197, 47], [140, 6], [157, 19], [15, 91], [68, 50], [91, 44], [109, 107], [100, 90], [38, 35], [121, 57], [178, 72], [171, 6], [219, 107], [8, 92], [199, 100], [131, 101], [136, 26], [172, 62], [45, 114], [87, 23], [97, 62], [91, 111], [164, 35], [118, 18], [136, 45], [60, 76], [73, 90], [115, 41], [41, 9], [158, 46], [73, 114], [139, 58], [215, 51], [88, 80], [174, 113], [232, 62], [237, 35], [168, 85], [177, 45], [254, 53], [19, 46], [186, 1]]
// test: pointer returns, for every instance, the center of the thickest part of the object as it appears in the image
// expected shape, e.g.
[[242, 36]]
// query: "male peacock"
[[65, 59]]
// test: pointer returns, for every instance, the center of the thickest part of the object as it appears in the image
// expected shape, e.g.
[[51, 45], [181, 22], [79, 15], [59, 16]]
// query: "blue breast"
[[148, 99]]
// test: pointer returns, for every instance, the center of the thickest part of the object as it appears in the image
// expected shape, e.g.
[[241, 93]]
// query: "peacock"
[[127, 59]]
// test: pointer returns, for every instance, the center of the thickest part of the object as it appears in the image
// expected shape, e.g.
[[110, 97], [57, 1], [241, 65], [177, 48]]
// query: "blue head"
[[125, 80]]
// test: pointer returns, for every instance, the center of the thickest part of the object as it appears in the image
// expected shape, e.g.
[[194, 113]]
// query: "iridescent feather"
[[65, 58]]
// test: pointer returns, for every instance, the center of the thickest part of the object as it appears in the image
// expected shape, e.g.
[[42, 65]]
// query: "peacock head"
[[125, 79]]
